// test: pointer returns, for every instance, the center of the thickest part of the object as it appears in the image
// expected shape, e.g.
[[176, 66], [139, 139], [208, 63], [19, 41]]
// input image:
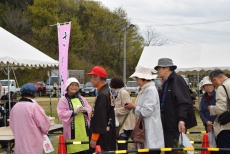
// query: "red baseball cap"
[[99, 71]]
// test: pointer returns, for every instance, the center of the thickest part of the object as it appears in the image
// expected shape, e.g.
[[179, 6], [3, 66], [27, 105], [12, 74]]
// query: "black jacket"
[[178, 105], [102, 112]]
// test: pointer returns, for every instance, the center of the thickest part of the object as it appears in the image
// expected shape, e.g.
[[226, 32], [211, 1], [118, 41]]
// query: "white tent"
[[190, 59], [18, 53], [15, 53]]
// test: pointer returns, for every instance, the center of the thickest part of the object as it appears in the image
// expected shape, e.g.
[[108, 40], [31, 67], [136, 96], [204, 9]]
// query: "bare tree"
[[152, 38]]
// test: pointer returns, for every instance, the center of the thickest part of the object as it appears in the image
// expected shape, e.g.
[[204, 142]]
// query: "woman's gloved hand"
[[80, 110]]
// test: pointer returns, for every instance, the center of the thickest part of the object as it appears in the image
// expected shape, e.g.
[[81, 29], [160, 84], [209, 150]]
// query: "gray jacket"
[[148, 105]]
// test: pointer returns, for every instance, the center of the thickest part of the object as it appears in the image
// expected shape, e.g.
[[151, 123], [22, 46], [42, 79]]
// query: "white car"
[[132, 87], [12, 87]]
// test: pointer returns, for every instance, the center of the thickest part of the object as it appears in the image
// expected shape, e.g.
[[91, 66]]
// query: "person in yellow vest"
[[74, 112]]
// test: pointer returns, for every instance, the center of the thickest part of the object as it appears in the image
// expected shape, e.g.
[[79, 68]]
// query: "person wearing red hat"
[[102, 123]]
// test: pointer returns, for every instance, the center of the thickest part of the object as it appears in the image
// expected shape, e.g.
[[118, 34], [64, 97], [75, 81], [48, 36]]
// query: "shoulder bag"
[[120, 125], [225, 117], [138, 133]]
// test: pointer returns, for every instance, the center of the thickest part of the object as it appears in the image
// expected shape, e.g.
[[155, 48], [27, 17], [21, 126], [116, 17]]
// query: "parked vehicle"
[[132, 87], [88, 89], [187, 81], [200, 90], [79, 74], [108, 81], [12, 87], [80, 87], [50, 83], [192, 91], [41, 87], [158, 83]]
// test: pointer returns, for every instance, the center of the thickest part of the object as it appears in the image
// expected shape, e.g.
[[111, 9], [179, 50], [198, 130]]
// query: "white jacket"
[[148, 105]]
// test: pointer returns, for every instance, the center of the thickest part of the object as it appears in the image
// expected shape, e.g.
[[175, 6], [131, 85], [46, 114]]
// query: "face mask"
[[115, 93]]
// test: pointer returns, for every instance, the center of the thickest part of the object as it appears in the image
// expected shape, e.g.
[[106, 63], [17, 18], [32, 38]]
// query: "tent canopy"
[[190, 59], [15, 53], [18, 53]]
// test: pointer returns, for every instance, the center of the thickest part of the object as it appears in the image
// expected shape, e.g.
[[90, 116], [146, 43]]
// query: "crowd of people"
[[166, 115]]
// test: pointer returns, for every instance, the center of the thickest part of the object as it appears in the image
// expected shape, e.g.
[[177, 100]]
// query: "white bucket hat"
[[70, 80], [206, 80], [143, 73]]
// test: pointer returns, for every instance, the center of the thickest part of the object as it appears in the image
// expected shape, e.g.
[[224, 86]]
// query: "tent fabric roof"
[[190, 59], [18, 53]]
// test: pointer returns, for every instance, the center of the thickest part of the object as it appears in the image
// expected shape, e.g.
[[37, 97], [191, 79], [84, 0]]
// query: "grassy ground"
[[45, 103]]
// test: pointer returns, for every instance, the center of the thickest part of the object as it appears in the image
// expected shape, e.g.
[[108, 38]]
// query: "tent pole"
[[8, 74], [198, 81], [50, 98], [15, 78]]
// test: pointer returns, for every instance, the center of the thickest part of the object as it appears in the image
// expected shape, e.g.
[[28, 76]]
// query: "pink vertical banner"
[[63, 41]]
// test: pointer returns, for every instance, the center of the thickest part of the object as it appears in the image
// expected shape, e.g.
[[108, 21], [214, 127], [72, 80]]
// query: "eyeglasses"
[[159, 68]]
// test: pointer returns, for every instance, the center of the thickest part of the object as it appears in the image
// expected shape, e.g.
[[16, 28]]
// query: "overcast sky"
[[180, 21]]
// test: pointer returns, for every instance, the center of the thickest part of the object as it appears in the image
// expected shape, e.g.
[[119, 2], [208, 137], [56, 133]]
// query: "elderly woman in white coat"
[[147, 104]]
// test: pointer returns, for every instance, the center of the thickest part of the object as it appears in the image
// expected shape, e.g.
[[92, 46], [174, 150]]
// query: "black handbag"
[[225, 117]]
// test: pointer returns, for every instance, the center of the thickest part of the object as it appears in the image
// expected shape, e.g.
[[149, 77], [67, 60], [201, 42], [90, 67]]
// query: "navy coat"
[[204, 112]]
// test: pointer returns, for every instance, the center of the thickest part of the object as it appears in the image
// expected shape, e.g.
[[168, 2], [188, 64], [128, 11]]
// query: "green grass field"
[[45, 103]]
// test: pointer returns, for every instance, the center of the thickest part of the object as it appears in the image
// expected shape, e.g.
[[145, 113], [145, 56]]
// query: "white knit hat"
[[70, 80], [143, 73]]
